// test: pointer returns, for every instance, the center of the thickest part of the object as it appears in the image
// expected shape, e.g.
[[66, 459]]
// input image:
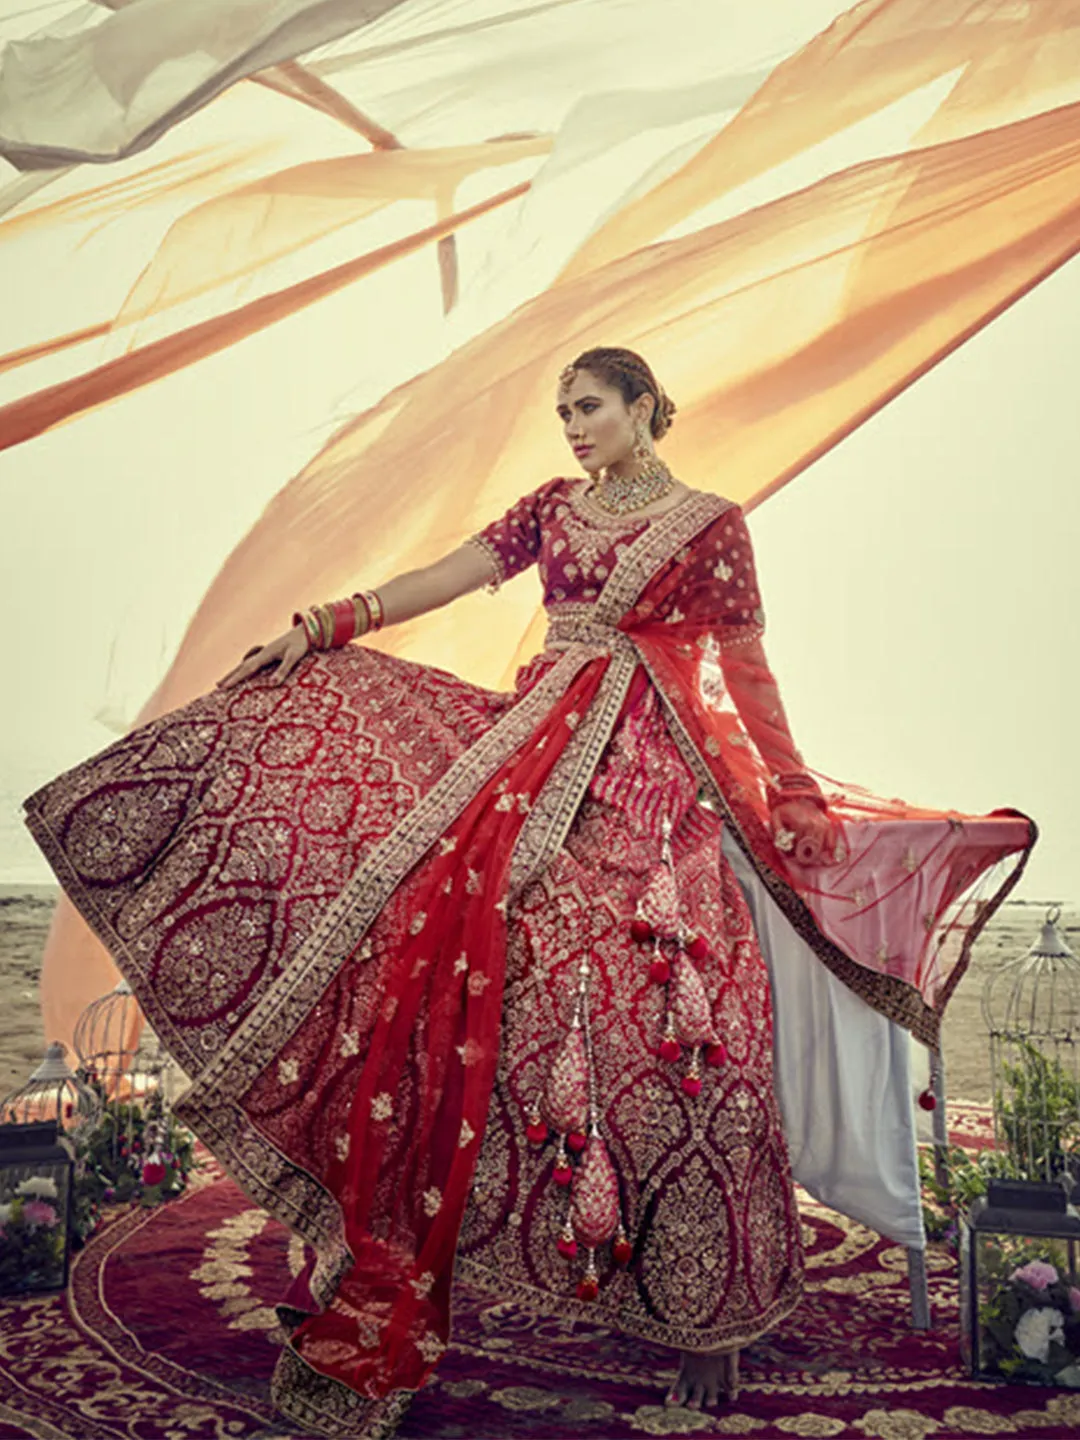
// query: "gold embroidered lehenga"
[[464, 978]]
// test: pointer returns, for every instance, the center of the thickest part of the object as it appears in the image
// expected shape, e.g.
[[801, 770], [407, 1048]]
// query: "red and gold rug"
[[167, 1332]]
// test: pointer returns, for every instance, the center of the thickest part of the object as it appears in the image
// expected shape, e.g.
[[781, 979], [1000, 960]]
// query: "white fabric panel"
[[111, 88], [843, 1081]]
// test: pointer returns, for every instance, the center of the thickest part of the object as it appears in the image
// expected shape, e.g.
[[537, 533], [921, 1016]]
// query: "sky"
[[921, 580]]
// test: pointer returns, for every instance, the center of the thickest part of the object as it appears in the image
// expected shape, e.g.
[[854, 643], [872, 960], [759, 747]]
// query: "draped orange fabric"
[[780, 309]]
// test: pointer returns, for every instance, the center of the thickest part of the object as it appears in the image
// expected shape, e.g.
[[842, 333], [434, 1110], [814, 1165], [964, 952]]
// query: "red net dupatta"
[[415, 1128], [895, 913]]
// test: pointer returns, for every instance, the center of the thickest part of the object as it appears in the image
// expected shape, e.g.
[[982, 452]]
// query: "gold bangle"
[[375, 609], [363, 615], [326, 626]]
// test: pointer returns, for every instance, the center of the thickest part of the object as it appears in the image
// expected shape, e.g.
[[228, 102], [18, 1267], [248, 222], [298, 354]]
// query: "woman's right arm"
[[403, 598]]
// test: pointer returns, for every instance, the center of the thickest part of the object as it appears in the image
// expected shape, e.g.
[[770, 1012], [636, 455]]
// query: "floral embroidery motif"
[[471, 1053], [468, 1134], [432, 1201], [382, 1107], [430, 1347], [350, 1044], [288, 1072], [478, 983], [341, 1146], [422, 1284]]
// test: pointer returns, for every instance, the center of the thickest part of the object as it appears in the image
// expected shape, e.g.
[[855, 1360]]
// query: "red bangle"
[[344, 622]]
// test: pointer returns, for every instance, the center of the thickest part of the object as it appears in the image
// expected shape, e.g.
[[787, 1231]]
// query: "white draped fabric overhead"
[[794, 209]]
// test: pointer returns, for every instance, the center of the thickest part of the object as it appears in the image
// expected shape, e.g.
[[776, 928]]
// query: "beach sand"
[[25, 912]]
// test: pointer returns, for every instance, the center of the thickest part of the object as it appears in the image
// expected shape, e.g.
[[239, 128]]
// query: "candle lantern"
[[1020, 1244], [37, 1166], [1019, 1286]]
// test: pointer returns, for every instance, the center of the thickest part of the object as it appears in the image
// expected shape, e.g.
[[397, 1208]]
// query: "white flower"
[[1037, 1329], [5, 1214], [39, 1185]]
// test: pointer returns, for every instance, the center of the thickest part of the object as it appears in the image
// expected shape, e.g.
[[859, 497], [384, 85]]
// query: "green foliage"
[[1039, 1110], [966, 1179], [110, 1158]]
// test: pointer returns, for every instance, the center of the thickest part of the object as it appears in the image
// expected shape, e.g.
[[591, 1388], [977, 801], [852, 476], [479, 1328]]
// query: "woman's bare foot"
[[704, 1379]]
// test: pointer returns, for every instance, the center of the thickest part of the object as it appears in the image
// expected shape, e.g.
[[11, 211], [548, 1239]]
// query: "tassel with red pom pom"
[[691, 1081], [589, 1284]]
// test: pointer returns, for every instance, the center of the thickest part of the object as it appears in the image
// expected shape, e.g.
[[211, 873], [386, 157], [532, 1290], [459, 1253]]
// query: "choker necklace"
[[622, 494]]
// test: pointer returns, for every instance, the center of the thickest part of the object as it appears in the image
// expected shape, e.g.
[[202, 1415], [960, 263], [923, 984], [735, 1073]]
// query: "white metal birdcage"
[[53, 1092], [1031, 1007], [126, 1065]]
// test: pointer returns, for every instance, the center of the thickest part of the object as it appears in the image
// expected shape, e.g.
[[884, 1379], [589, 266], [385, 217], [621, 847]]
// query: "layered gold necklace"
[[623, 494]]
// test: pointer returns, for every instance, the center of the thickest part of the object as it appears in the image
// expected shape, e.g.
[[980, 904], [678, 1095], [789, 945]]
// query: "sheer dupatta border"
[[890, 995]]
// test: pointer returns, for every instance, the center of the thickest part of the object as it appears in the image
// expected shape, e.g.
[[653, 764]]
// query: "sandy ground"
[[24, 921]]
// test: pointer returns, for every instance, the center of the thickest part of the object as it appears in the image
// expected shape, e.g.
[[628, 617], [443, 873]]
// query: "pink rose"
[[1036, 1273], [1074, 1299], [37, 1212], [153, 1172]]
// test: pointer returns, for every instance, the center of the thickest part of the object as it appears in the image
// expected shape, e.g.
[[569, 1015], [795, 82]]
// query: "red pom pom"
[[670, 1049], [622, 1251], [691, 1085], [716, 1054], [928, 1100], [562, 1174], [698, 948], [577, 1141], [567, 1248], [660, 970], [587, 1289], [537, 1132], [640, 930], [153, 1172]]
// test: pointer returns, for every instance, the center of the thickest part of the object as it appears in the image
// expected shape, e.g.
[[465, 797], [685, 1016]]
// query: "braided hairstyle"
[[627, 372]]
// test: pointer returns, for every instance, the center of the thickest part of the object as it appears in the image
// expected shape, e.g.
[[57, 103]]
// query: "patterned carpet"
[[167, 1332]]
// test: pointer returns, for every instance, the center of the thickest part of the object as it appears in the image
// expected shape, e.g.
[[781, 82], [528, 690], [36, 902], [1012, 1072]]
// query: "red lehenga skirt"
[[704, 1182], [233, 857]]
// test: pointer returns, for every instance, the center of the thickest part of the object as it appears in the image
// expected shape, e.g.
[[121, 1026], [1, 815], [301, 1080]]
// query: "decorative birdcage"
[[1031, 1007], [53, 1092], [130, 1072]]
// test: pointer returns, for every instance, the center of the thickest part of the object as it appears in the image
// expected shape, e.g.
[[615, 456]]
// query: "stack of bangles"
[[328, 626]]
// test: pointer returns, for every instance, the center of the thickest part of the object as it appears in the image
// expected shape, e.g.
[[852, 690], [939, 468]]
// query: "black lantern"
[[37, 1167], [1019, 1285]]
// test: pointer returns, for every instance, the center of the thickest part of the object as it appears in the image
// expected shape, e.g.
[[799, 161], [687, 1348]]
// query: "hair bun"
[[663, 415]]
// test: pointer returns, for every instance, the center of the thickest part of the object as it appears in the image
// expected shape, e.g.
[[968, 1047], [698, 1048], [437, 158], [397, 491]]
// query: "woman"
[[465, 978]]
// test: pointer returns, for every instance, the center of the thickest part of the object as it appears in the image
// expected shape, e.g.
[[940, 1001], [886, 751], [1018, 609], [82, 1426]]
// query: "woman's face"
[[598, 425]]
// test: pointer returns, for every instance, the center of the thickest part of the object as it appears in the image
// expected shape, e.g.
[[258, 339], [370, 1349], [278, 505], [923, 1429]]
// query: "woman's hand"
[[803, 832], [285, 652]]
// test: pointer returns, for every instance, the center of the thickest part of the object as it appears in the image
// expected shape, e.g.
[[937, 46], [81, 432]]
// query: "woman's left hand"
[[804, 833]]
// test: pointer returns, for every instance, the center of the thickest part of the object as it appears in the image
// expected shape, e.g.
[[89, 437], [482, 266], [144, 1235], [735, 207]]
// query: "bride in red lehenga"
[[464, 980]]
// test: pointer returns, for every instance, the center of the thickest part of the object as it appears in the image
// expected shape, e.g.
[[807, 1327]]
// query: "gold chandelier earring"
[[642, 450]]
